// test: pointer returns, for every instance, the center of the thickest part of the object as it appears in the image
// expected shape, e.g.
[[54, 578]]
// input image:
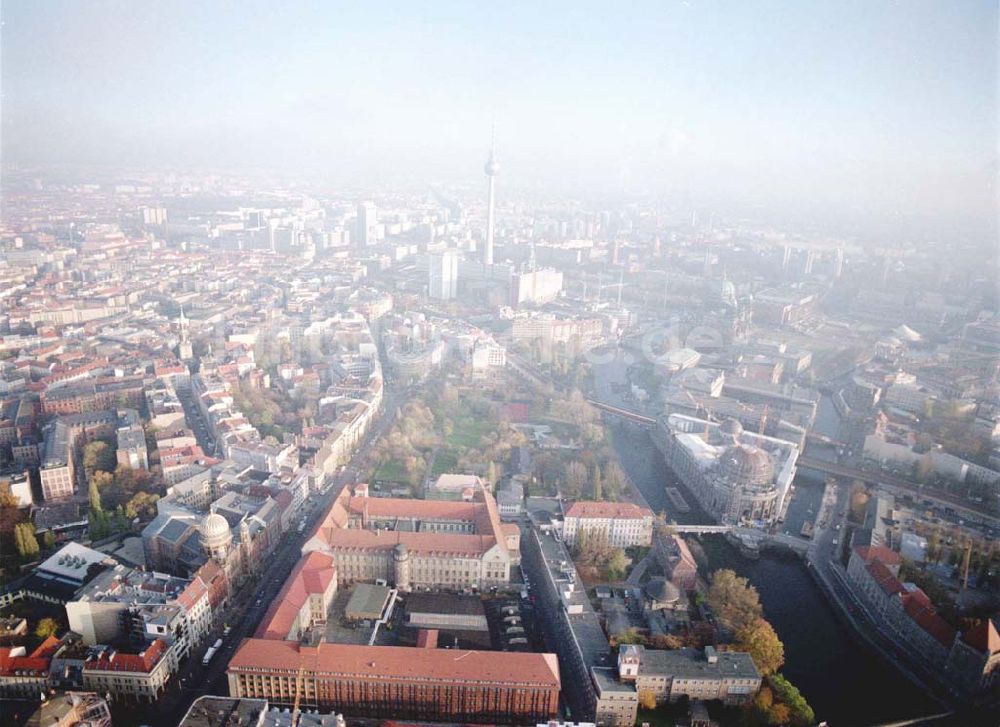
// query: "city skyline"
[[877, 110], [519, 364]]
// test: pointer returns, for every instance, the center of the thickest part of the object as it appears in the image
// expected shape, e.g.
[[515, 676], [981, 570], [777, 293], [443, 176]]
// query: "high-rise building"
[[365, 232], [535, 287], [492, 167], [184, 349], [443, 275], [154, 215]]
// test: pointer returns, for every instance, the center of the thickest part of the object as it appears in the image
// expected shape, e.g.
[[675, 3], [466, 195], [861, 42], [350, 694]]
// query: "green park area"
[[445, 461], [391, 470], [467, 431]]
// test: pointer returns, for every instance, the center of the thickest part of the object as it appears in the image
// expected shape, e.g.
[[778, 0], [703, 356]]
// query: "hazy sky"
[[870, 104]]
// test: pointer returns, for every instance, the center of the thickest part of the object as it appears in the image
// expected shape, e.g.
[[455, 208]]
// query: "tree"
[[647, 700], [49, 540], [121, 520], [25, 541], [47, 627], [576, 478], [8, 498], [142, 505], [801, 714], [103, 480], [98, 455], [733, 599], [666, 642], [491, 473], [94, 495], [614, 480], [99, 524], [857, 503], [661, 528], [779, 715], [596, 484], [764, 699], [762, 643], [593, 434], [617, 565], [630, 636]]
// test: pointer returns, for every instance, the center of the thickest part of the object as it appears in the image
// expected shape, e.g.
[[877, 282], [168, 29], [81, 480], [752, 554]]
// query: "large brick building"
[[873, 572], [93, 396], [399, 682], [417, 543]]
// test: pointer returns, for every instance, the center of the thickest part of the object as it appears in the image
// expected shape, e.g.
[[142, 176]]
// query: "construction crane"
[[966, 560], [298, 691]]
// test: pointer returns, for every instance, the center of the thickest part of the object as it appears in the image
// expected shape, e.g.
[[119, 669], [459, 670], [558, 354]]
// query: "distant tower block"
[[838, 262], [365, 224], [810, 259], [491, 169], [786, 257], [184, 349]]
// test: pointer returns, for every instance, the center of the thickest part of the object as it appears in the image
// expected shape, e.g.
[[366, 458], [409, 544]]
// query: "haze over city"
[[565, 365], [875, 109]]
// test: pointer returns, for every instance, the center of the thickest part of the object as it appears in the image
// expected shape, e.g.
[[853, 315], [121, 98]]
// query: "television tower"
[[491, 169]]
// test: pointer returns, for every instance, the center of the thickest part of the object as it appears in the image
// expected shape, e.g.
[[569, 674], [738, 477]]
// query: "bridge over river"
[[891, 482], [748, 539]]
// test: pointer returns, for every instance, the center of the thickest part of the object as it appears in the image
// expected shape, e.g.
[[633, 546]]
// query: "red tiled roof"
[[209, 571], [46, 649], [983, 637], [312, 574], [456, 543], [619, 510], [143, 662], [333, 530], [419, 509], [10, 665], [878, 552], [884, 578], [918, 607], [35, 664], [398, 663], [192, 593], [684, 552], [427, 639]]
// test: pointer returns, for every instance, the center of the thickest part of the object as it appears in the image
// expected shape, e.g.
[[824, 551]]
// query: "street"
[[248, 604]]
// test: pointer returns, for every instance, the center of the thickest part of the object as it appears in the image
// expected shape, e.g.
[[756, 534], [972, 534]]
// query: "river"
[[845, 682]]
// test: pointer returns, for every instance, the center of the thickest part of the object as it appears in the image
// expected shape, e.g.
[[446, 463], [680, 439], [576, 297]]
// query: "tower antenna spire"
[[491, 169]]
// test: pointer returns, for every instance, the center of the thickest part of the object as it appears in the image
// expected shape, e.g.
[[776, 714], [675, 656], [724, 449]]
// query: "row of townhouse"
[[969, 661]]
